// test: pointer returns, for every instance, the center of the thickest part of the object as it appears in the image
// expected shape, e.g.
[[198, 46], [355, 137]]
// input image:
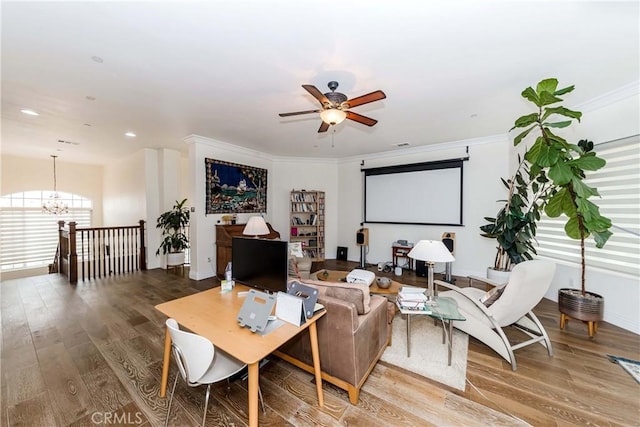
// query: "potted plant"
[[174, 240], [514, 227], [566, 165]]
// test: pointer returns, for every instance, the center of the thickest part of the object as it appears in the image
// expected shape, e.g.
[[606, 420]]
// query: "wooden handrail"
[[100, 251]]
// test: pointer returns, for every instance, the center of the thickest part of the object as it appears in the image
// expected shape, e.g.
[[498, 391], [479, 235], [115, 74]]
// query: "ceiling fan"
[[335, 106]]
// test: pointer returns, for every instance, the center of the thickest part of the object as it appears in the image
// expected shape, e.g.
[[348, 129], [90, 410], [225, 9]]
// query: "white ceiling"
[[225, 69]]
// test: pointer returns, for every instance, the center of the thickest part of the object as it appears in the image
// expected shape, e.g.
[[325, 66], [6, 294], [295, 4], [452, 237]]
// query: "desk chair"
[[199, 363]]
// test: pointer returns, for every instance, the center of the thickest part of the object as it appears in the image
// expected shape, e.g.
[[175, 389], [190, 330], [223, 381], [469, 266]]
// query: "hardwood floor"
[[91, 355]]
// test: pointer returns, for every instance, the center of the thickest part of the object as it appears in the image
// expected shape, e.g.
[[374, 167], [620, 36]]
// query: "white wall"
[[27, 174], [203, 250], [124, 191], [488, 161], [312, 175], [142, 186]]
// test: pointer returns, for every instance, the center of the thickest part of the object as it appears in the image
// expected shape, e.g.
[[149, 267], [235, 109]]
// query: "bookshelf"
[[306, 222]]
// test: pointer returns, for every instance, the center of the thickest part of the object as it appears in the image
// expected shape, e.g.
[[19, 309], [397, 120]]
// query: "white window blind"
[[619, 186], [29, 238]]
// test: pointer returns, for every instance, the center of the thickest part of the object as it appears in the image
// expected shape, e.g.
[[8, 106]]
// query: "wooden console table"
[[224, 238]]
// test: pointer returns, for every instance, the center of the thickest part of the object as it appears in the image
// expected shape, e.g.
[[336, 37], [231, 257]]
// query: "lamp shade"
[[333, 116], [431, 251], [256, 227]]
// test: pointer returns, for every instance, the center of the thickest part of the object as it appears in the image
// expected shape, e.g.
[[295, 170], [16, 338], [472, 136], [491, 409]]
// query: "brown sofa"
[[351, 337]]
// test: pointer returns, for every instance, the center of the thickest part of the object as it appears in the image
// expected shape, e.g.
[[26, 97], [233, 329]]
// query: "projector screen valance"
[[420, 193]]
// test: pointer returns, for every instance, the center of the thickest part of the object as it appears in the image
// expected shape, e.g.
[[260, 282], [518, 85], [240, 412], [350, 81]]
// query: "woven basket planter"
[[588, 308]]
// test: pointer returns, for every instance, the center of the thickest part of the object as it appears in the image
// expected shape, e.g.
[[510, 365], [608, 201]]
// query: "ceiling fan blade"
[[365, 99], [324, 101], [323, 127], [361, 119], [297, 113]]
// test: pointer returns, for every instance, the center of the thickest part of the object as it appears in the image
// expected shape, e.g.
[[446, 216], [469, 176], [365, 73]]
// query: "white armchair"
[[528, 283]]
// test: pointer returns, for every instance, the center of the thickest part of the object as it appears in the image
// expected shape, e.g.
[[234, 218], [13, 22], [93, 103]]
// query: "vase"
[[498, 276], [175, 258]]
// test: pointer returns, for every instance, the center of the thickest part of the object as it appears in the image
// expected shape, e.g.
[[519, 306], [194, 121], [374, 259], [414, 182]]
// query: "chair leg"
[[261, 400], [206, 404], [173, 389]]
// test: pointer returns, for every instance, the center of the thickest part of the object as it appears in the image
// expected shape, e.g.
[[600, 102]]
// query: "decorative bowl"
[[383, 282]]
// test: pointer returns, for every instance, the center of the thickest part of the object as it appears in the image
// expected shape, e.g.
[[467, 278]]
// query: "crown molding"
[[611, 97]]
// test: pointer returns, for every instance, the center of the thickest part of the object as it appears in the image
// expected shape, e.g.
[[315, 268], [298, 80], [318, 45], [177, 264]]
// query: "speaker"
[[449, 240], [341, 253], [421, 268], [362, 237]]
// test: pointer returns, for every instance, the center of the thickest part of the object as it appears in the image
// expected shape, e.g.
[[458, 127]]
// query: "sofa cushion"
[[356, 293]]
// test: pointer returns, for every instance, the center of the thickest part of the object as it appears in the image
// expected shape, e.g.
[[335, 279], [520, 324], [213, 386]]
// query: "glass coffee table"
[[445, 310]]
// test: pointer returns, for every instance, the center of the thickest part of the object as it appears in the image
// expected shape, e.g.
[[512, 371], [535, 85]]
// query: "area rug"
[[631, 366], [428, 353]]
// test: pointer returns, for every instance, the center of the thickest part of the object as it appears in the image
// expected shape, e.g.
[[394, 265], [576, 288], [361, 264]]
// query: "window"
[[619, 186], [29, 238]]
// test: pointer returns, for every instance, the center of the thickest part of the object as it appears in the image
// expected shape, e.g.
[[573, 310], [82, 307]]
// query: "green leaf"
[[561, 111], [533, 154], [547, 98], [589, 162], [572, 229], [560, 173], [547, 85], [531, 95], [601, 238], [557, 124], [564, 90], [522, 135], [582, 189], [525, 120]]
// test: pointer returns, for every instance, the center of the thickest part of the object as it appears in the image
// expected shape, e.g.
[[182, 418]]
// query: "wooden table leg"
[[253, 394], [165, 362], [313, 335]]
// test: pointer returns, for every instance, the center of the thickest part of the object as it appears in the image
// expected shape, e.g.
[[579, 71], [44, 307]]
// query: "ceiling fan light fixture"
[[333, 116]]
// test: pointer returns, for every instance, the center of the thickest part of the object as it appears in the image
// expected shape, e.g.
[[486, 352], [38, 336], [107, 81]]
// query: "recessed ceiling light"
[[131, 134], [29, 112]]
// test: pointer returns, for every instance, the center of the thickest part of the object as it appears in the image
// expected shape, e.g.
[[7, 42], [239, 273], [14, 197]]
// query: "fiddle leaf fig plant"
[[565, 164]]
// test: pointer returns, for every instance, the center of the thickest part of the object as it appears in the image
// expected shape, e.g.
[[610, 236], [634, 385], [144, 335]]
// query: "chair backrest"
[[528, 282], [193, 353]]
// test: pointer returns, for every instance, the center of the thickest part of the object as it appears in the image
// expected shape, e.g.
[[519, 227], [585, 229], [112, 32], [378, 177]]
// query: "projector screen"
[[421, 193]]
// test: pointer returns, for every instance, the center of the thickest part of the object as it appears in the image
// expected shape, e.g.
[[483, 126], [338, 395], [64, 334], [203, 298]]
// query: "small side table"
[[398, 251], [447, 311]]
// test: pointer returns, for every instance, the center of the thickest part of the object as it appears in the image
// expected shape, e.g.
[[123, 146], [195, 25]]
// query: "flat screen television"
[[260, 263]]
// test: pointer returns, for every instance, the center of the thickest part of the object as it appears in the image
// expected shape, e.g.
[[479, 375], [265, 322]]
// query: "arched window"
[[28, 237]]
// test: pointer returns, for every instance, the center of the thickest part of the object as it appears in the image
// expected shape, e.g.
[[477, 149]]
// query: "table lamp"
[[430, 251], [256, 227]]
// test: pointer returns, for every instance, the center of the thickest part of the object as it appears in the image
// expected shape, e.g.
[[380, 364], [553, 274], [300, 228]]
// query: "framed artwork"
[[235, 188]]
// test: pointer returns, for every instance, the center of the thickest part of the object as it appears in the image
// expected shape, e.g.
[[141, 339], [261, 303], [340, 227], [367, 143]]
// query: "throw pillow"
[[492, 295]]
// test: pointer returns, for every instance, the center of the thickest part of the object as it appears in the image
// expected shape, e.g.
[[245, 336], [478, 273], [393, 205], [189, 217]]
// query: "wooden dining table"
[[213, 314]]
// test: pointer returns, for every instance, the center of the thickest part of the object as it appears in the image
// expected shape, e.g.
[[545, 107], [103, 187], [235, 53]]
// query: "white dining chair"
[[200, 363]]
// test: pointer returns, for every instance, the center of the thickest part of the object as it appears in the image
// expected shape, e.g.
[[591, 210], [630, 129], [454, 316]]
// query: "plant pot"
[[498, 276], [175, 258], [588, 308]]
